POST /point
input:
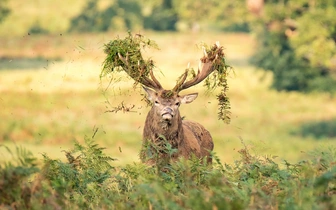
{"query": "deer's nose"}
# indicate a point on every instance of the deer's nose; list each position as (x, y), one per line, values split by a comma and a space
(167, 113)
(167, 110)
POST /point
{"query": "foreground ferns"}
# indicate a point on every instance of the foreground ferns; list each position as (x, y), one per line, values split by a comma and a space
(87, 179)
(14, 189)
(85, 176)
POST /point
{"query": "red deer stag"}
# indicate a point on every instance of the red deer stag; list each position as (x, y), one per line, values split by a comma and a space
(164, 123)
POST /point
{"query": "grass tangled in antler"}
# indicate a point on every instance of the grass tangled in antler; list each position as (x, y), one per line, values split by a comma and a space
(130, 49)
(125, 55)
(219, 79)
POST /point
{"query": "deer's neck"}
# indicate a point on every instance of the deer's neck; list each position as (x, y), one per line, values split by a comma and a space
(172, 130)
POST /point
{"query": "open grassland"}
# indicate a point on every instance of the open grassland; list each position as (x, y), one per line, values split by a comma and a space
(46, 107)
(53, 16)
(51, 96)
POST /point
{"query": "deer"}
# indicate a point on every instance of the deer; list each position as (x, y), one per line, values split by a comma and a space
(164, 123)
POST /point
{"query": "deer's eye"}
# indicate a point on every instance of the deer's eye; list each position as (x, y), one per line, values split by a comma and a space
(177, 103)
(156, 102)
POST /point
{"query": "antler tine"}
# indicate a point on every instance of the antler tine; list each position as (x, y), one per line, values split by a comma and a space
(157, 83)
(207, 68)
(151, 83)
(201, 75)
(142, 79)
(181, 81)
(123, 59)
(204, 52)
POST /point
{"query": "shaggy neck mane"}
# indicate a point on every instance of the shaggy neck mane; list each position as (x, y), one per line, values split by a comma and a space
(172, 131)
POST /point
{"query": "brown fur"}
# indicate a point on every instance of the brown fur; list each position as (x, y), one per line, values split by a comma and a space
(189, 138)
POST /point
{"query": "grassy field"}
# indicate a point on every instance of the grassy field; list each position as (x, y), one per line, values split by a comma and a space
(52, 102)
(26, 14)
(58, 98)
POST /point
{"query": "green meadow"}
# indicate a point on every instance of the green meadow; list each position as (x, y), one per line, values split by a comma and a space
(60, 98)
(70, 140)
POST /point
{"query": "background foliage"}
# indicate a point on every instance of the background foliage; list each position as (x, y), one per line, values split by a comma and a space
(118, 15)
(297, 43)
(4, 10)
(296, 39)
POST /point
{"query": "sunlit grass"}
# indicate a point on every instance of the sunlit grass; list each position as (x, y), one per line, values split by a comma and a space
(51, 15)
(46, 109)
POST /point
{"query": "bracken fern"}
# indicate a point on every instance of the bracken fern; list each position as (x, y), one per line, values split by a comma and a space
(87, 180)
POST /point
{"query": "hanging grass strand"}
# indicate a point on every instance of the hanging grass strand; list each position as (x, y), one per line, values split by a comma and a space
(218, 79)
(125, 55)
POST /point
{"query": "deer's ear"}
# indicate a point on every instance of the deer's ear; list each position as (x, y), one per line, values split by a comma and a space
(150, 93)
(189, 98)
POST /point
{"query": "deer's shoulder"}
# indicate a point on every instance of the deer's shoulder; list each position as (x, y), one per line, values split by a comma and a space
(196, 129)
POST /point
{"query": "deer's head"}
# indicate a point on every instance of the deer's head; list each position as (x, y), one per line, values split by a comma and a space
(166, 103)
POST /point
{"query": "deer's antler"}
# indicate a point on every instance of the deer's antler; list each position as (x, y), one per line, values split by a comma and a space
(141, 76)
(207, 62)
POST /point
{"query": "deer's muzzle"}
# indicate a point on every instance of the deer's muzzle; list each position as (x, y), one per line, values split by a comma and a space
(167, 113)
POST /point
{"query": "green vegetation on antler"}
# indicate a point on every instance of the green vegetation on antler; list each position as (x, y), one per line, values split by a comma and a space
(219, 79)
(125, 55)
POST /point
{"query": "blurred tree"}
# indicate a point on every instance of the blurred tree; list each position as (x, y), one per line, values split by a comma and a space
(88, 20)
(215, 14)
(126, 15)
(4, 10)
(296, 41)
(117, 15)
(36, 28)
(160, 15)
